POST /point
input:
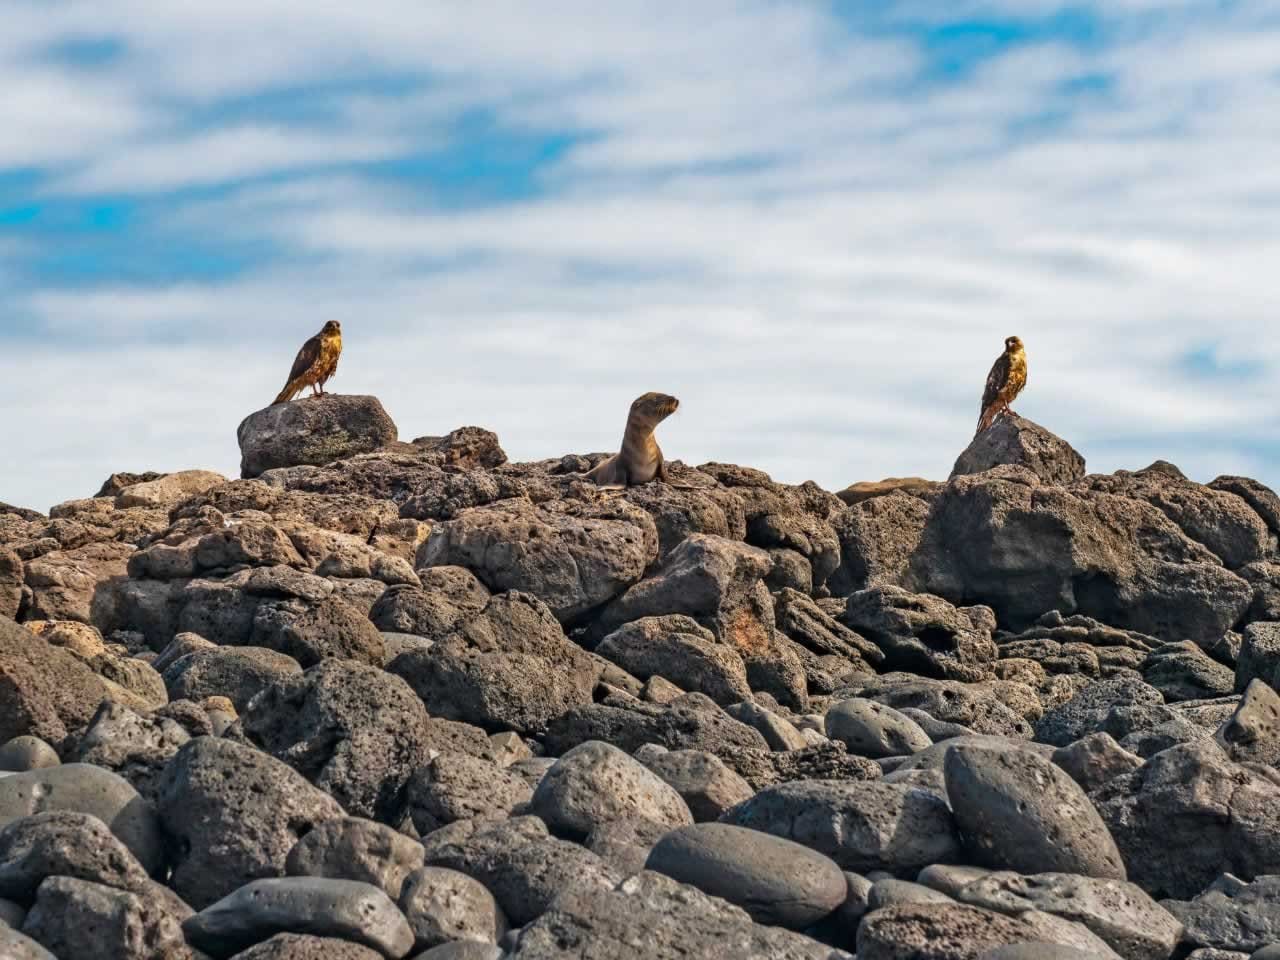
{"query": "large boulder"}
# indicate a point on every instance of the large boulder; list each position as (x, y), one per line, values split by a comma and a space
(45, 691)
(1014, 440)
(1232, 915)
(573, 555)
(1023, 547)
(353, 730)
(312, 431)
(79, 918)
(720, 584)
(679, 649)
(925, 634)
(232, 814)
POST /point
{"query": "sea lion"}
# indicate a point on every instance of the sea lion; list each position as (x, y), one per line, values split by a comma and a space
(640, 459)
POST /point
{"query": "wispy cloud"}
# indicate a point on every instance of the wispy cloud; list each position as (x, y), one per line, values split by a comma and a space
(814, 222)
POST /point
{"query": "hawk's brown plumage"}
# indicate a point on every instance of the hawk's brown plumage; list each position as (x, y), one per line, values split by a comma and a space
(315, 364)
(1005, 381)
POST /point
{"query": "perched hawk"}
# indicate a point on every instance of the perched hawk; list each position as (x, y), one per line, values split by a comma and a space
(1005, 381)
(316, 363)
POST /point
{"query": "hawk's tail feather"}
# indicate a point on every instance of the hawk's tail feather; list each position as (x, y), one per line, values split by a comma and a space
(290, 390)
(988, 417)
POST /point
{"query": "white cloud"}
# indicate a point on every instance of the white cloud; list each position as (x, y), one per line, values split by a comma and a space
(770, 217)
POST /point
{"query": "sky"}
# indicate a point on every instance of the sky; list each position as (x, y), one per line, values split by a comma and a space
(813, 222)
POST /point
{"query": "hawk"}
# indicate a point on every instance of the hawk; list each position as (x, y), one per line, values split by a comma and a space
(1005, 381)
(315, 364)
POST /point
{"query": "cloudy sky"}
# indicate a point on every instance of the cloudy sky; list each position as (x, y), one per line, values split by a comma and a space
(813, 222)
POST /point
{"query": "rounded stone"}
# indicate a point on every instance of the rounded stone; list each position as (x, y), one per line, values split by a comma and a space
(778, 882)
(596, 782)
(27, 753)
(1017, 811)
(356, 849)
(444, 905)
(874, 730)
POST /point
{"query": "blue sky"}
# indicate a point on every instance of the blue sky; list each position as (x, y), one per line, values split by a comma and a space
(813, 222)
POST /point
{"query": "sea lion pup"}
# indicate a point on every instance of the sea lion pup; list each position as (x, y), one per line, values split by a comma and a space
(640, 459)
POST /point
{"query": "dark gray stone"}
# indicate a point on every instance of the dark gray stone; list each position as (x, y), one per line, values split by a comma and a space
(344, 909)
(1018, 811)
(778, 882)
(1252, 734)
(703, 780)
(76, 918)
(313, 431)
(443, 905)
(356, 849)
(874, 730)
(1244, 917)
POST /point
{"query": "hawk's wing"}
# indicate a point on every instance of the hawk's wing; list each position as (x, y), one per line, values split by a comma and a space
(996, 380)
(306, 359)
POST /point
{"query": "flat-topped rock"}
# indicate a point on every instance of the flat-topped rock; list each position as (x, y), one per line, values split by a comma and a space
(312, 431)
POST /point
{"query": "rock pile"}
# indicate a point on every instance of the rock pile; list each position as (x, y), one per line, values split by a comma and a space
(391, 699)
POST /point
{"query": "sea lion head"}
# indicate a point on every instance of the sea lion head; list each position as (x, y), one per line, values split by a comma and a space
(1012, 344)
(653, 408)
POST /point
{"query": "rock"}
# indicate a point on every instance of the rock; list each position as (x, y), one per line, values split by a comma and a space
(1189, 815)
(27, 753)
(776, 881)
(1128, 920)
(16, 946)
(861, 826)
(69, 845)
(824, 761)
(573, 555)
(1245, 918)
(232, 814)
(652, 917)
(596, 782)
(1025, 548)
(44, 692)
(521, 692)
(1013, 440)
(777, 731)
(874, 730)
(720, 584)
(973, 705)
(169, 490)
(445, 905)
(1252, 734)
(76, 918)
(301, 946)
(1259, 655)
(353, 730)
(447, 599)
(135, 746)
(83, 788)
(240, 673)
(1182, 671)
(344, 909)
(877, 538)
(522, 866)
(938, 931)
(456, 787)
(1037, 951)
(677, 648)
(924, 634)
(313, 431)
(76, 584)
(888, 892)
(1018, 811)
(311, 632)
(1094, 760)
(356, 849)
(693, 722)
(462, 950)
(816, 631)
(704, 782)
(1086, 712)
(626, 844)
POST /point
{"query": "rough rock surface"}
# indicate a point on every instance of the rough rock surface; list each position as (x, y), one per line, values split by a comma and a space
(392, 699)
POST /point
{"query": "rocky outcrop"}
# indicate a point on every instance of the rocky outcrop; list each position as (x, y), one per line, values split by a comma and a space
(1015, 441)
(313, 430)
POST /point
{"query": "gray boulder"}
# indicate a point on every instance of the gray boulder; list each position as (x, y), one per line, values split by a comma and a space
(1252, 733)
(456, 787)
(1259, 657)
(677, 648)
(232, 814)
(703, 780)
(861, 826)
(652, 917)
(65, 844)
(924, 634)
(77, 918)
(343, 909)
(1232, 916)
(776, 881)
(312, 431)
(445, 905)
(302, 946)
(84, 788)
(18, 946)
(237, 673)
(872, 729)
(356, 849)
(27, 753)
(1018, 811)
(596, 782)
(1019, 442)
(352, 729)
